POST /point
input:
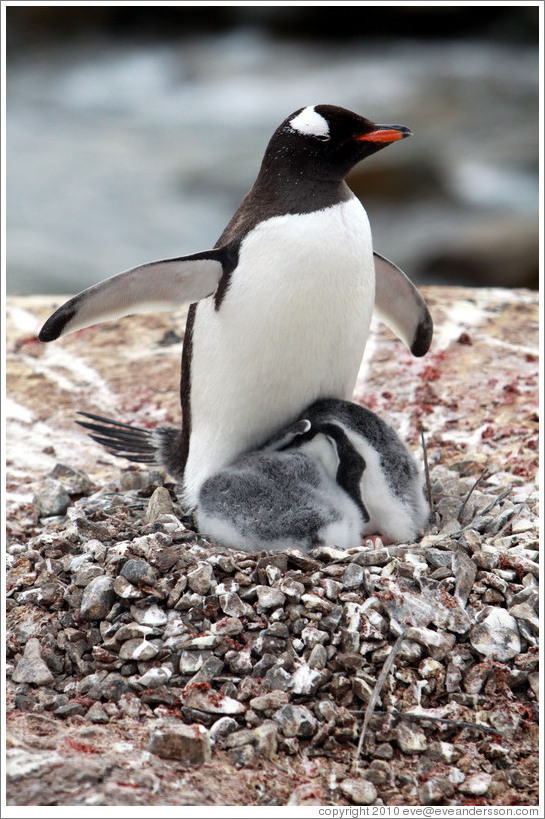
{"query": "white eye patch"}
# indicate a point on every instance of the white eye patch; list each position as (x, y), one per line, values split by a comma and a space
(309, 123)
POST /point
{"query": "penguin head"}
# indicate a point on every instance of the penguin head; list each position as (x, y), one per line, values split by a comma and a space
(324, 142)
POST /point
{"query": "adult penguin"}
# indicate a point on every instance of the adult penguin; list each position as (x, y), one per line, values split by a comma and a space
(280, 307)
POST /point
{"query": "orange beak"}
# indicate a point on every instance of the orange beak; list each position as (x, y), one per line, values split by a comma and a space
(386, 133)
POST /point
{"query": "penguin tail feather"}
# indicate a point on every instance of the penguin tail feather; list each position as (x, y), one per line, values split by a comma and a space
(133, 443)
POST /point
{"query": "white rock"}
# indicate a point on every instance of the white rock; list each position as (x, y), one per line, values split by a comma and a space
(152, 616)
(476, 785)
(497, 636)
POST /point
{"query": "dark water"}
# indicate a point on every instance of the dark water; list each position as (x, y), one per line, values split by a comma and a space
(120, 154)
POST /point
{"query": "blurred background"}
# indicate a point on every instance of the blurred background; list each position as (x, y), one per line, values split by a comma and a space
(134, 132)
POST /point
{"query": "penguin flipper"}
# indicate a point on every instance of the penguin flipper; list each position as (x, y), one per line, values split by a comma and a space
(162, 285)
(287, 436)
(401, 307)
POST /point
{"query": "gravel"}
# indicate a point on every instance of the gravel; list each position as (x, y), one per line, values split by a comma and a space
(117, 608)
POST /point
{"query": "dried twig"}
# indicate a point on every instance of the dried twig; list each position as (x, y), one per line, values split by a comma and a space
(497, 500)
(426, 470)
(376, 692)
(481, 477)
(423, 717)
(488, 508)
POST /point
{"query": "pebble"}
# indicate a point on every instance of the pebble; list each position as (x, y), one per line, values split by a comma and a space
(150, 616)
(353, 576)
(265, 702)
(200, 578)
(411, 740)
(359, 791)
(269, 598)
(138, 571)
(97, 598)
(74, 481)
(476, 785)
(139, 650)
(189, 744)
(213, 702)
(525, 613)
(232, 605)
(497, 636)
(31, 668)
(159, 504)
(318, 657)
(53, 500)
(436, 791)
(296, 721)
(97, 714)
(126, 590)
(222, 728)
(155, 677)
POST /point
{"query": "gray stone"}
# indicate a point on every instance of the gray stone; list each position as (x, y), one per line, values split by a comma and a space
(97, 714)
(96, 549)
(138, 571)
(228, 626)
(221, 729)
(296, 721)
(274, 699)
(477, 784)
(411, 740)
(318, 657)
(31, 668)
(232, 605)
(159, 504)
(242, 756)
(200, 578)
(74, 481)
(353, 576)
(53, 500)
(138, 650)
(278, 679)
(240, 662)
(98, 598)
(437, 643)
(239, 738)
(211, 668)
(86, 573)
(131, 631)
(270, 598)
(189, 744)
(154, 677)
(192, 661)
(525, 613)
(384, 751)
(265, 737)
(497, 636)
(146, 545)
(311, 636)
(359, 791)
(150, 616)
(213, 702)
(465, 571)
(379, 772)
(305, 680)
(126, 590)
(436, 791)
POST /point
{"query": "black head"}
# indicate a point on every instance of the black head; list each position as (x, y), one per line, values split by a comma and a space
(324, 142)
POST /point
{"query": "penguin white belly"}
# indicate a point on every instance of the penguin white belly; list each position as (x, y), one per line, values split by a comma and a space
(291, 328)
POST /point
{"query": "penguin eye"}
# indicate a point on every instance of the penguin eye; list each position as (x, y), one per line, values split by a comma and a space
(322, 137)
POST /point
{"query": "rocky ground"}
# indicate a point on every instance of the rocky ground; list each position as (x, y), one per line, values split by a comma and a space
(149, 667)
